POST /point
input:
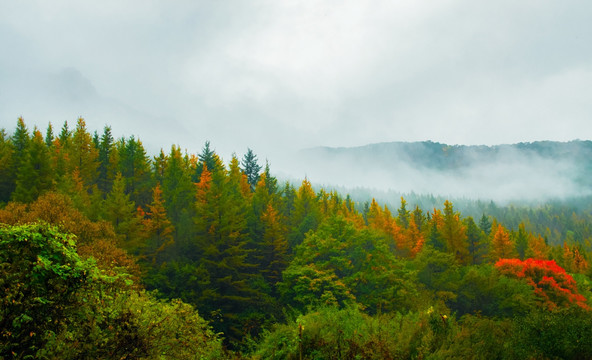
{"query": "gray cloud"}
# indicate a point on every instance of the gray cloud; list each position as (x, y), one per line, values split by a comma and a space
(279, 76)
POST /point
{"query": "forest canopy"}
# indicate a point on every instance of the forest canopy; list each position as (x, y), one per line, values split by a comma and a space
(107, 251)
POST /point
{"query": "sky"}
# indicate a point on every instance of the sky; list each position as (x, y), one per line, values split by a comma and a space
(278, 76)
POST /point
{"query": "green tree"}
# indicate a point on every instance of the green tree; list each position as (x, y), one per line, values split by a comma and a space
(157, 228)
(40, 276)
(454, 234)
(49, 136)
(82, 155)
(222, 244)
(121, 212)
(251, 168)
(7, 176)
(178, 192)
(34, 176)
(306, 215)
(107, 161)
(135, 167)
(521, 241)
(476, 240)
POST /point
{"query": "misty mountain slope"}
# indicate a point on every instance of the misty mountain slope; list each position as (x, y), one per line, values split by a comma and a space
(525, 171)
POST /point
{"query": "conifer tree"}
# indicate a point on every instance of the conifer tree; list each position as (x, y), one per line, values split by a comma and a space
(501, 245)
(485, 225)
(134, 165)
(83, 155)
(49, 136)
(404, 214)
(251, 168)
(34, 175)
(158, 228)
(159, 166)
(207, 158)
(537, 248)
(306, 215)
(521, 241)
(121, 212)
(106, 159)
(454, 234)
(476, 240)
(222, 242)
(7, 177)
(178, 192)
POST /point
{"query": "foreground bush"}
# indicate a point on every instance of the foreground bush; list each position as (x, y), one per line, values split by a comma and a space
(55, 305)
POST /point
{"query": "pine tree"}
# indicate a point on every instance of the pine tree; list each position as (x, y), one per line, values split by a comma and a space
(121, 212)
(106, 158)
(34, 176)
(222, 240)
(158, 229)
(501, 246)
(134, 165)
(251, 168)
(207, 158)
(404, 214)
(454, 234)
(7, 176)
(485, 225)
(537, 248)
(275, 246)
(159, 166)
(49, 136)
(178, 192)
(477, 242)
(306, 215)
(521, 241)
(83, 155)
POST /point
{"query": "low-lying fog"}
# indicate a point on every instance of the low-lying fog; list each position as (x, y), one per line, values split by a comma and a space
(501, 174)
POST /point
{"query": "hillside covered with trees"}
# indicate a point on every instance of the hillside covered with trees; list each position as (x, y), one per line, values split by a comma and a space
(108, 252)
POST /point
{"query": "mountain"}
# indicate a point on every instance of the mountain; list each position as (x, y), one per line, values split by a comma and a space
(539, 170)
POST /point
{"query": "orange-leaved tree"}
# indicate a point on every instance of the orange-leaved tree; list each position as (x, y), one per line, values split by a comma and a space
(551, 283)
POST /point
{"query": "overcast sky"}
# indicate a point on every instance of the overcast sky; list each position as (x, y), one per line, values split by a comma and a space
(283, 75)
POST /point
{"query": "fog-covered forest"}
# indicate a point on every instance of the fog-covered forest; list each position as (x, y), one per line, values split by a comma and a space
(107, 251)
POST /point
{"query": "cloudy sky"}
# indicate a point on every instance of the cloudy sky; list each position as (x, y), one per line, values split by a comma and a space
(283, 75)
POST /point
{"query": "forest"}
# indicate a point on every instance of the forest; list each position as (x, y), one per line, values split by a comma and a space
(108, 252)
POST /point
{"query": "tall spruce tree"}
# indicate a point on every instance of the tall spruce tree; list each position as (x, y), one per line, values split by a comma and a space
(251, 168)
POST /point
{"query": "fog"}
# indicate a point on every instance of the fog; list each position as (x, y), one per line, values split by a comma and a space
(278, 77)
(503, 174)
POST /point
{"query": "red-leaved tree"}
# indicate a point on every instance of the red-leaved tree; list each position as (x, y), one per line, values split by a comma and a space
(550, 281)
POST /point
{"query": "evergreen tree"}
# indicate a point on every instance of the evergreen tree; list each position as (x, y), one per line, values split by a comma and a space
(501, 245)
(454, 234)
(404, 214)
(306, 215)
(121, 212)
(207, 158)
(49, 136)
(476, 240)
(34, 176)
(106, 158)
(251, 168)
(82, 155)
(159, 166)
(158, 229)
(521, 241)
(485, 225)
(178, 192)
(7, 176)
(222, 240)
(134, 165)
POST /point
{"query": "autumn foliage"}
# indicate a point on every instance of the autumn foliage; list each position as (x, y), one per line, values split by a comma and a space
(555, 287)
